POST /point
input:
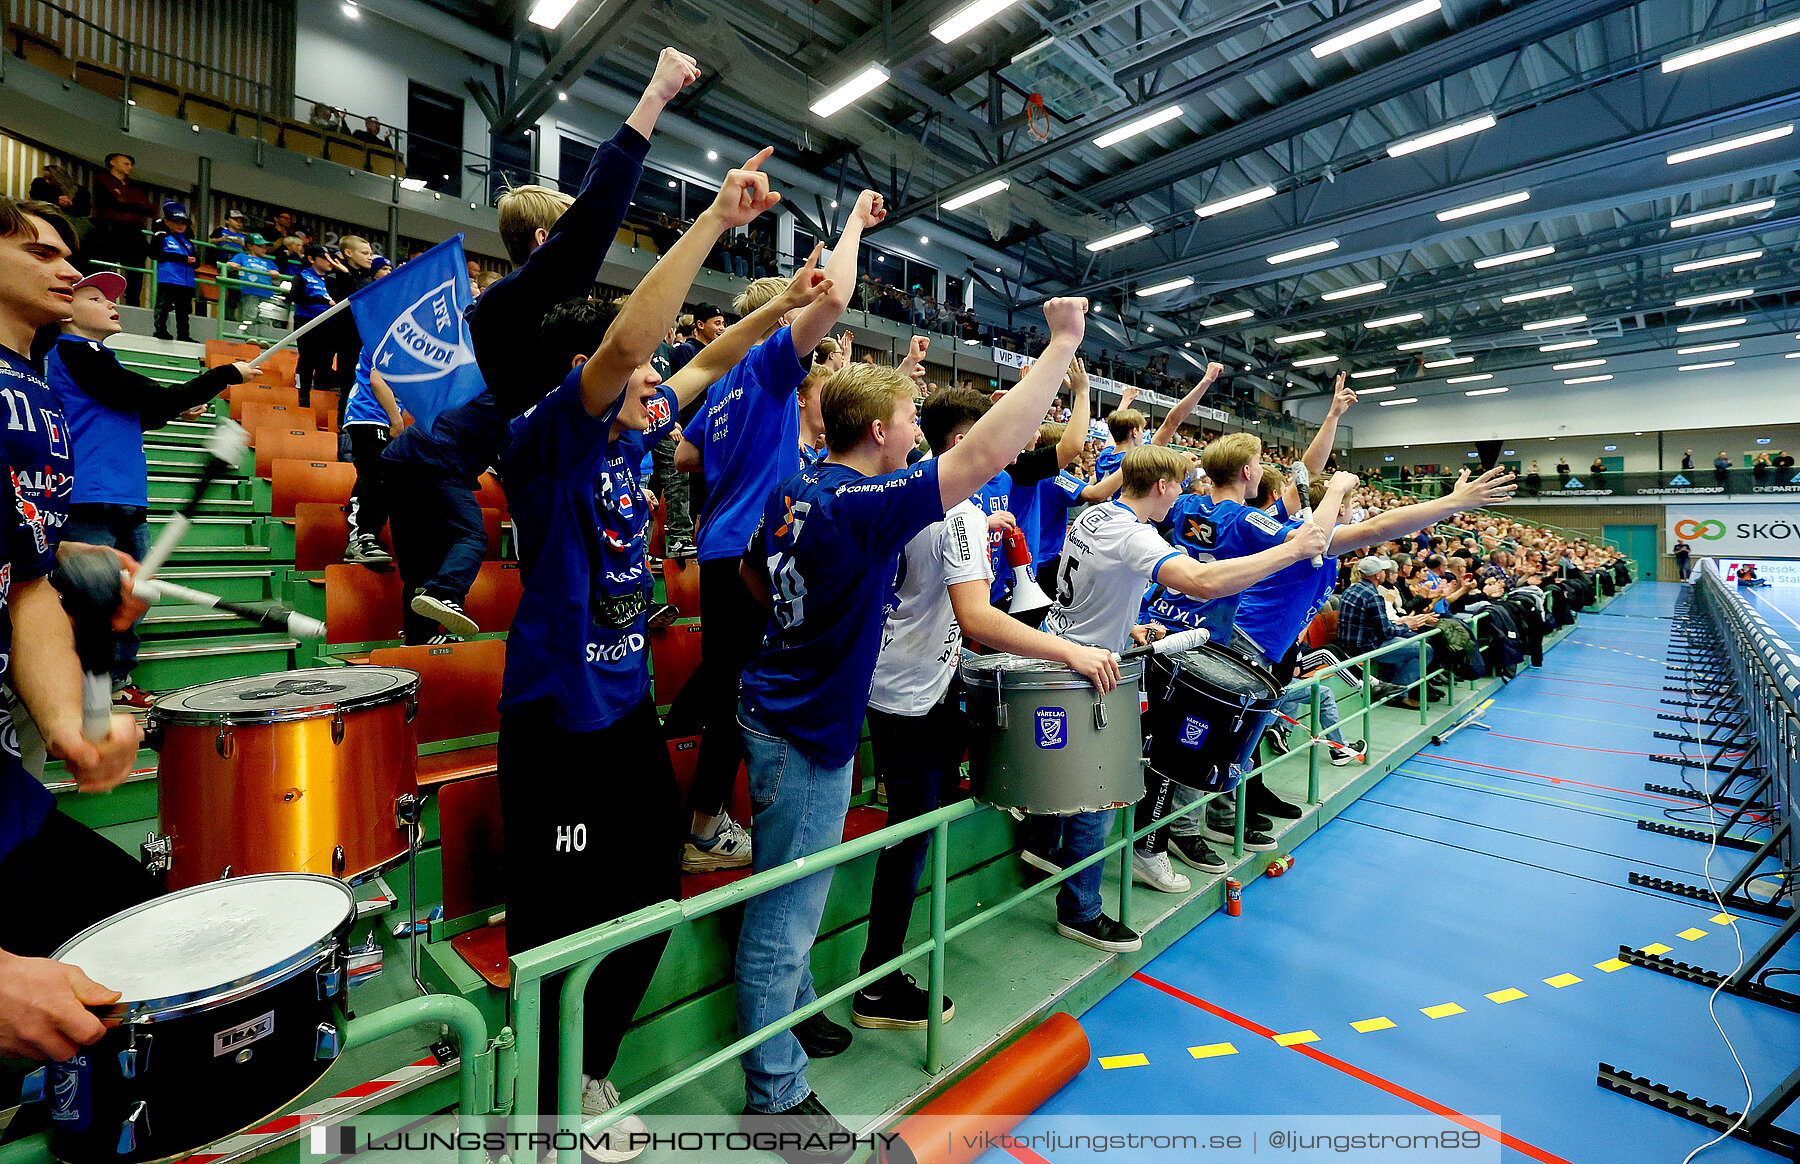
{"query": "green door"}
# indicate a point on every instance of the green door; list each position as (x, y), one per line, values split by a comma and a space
(1641, 545)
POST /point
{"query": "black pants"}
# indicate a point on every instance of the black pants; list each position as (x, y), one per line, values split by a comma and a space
(734, 623)
(919, 758)
(592, 822)
(346, 345)
(439, 541)
(180, 300)
(369, 500)
(313, 368)
(122, 243)
(62, 881)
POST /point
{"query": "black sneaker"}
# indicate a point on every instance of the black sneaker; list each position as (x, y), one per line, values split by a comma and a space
(803, 1134)
(1276, 739)
(1103, 933)
(1255, 840)
(1197, 854)
(895, 1004)
(1261, 801)
(821, 1038)
(1356, 749)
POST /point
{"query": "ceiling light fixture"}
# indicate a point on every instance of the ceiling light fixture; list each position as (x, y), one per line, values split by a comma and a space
(1314, 361)
(1376, 391)
(1543, 293)
(1162, 288)
(1589, 379)
(1296, 337)
(1574, 364)
(871, 78)
(1721, 261)
(1704, 367)
(1402, 400)
(1448, 133)
(1484, 206)
(1384, 23)
(1221, 205)
(1514, 257)
(1348, 292)
(1564, 321)
(1565, 345)
(1305, 252)
(1731, 44)
(1723, 212)
(1452, 362)
(1033, 50)
(977, 194)
(1415, 345)
(1702, 349)
(1391, 320)
(1368, 373)
(1713, 325)
(969, 17)
(1130, 234)
(1716, 297)
(1731, 143)
(1143, 124)
(1486, 391)
(1470, 379)
(1228, 317)
(550, 13)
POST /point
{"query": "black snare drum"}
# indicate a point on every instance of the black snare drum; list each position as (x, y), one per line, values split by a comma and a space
(233, 1003)
(1203, 704)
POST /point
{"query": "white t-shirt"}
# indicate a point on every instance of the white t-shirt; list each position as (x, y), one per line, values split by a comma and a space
(1109, 556)
(921, 643)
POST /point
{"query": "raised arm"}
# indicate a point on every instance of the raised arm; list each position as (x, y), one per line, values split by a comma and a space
(1080, 406)
(735, 342)
(992, 627)
(1008, 427)
(1491, 488)
(640, 326)
(674, 72)
(1319, 451)
(816, 322)
(1228, 576)
(1165, 432)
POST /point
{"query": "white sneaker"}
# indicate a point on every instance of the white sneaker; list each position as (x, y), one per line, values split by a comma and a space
(448, 614)
(1156, 872)
(729, 849)
(597, 1097)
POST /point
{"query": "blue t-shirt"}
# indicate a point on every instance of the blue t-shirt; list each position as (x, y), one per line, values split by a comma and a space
(1056, 496)
(36, 441)
(811, 455)
(27, 556)
(1273, 612)
(1106, 460)
(172, 254)
(230, 242)
(991, 498)
(1440, 606)
(1208, 530)
(362, 407)
(311, 296)
(750, 439)
(114, 470)
(578, 643)
(258, 272)
(832, 539)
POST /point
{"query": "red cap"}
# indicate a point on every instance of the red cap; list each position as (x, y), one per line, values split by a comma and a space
(109, 283)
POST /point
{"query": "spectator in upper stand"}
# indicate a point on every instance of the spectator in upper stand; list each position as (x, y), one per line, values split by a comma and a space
(663, 233)
(59, 188)
(109, 409)
(1562, 469)
(311, 295)
(260, 276)
(1784, 467)
(372, 133)
(1533, 479)
(122, 208)
(175, 262)
(1687, 460)
(1721, 467)
(1598, 468)
(326, 118)
(278, 228)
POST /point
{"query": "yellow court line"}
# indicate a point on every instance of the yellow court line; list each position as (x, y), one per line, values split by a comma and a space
(1364, 1026)
(1654, 950)
(1722, 919)
(1561, 980)
(1441, 1010)
(1109, 1062)
(1527, 795)
(1295, 1038)
(1212, 1050)
(1611, 964)
(1510, 994)
(1692, 935)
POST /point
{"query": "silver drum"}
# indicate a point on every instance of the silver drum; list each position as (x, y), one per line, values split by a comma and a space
(1042, 741)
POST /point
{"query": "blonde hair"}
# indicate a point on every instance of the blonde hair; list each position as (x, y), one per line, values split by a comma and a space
(825, 349)
(1226, 458)
(813, 380)
(524, 210)
(856, 396)
(1050, 433)
(1123, 420)
(356, 241)
(1145, 465)
(1273, 482)
(757, 294)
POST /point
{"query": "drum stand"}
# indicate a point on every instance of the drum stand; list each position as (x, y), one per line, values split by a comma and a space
(408, 810)
(1473, 719)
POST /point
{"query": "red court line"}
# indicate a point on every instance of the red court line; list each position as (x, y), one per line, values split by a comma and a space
(1355, 1072)
(1591, 699)
(1534, 673)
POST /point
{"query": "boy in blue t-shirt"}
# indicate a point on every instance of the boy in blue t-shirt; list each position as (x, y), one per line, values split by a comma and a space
(173, 250)
(228, 244)
(260, 277)
(575, 705)
(829, 547)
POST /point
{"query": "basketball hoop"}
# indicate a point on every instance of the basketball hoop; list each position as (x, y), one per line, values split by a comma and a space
(1037, 118)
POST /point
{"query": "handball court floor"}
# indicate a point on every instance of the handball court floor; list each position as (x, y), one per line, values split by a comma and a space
(1483, 882)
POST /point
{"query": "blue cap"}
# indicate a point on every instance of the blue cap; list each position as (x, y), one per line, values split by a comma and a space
(174, 211)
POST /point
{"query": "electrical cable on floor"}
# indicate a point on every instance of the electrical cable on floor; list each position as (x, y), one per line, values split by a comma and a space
(1737, 936)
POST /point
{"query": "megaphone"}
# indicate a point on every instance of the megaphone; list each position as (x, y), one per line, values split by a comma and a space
(1027, 596)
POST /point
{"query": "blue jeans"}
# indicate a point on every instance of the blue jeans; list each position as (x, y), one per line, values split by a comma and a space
(121, 527)
(1401, 667)
(800, 806)
(1083, 835)
(1298, 703)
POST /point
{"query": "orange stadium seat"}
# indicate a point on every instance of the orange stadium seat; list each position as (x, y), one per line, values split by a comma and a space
(490, 495)
(1322, 630)
(291, 482)
(219, 352)
(321, 534)
(325, 407)
(474, 868)
(242, 394)
(674, 656)
(285, 417)
(681, 580)
(279, 369)
(361, 605)
(291, 444)
(459, 696)
(494, 597)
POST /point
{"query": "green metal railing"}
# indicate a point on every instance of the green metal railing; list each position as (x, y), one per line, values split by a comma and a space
(581, 953)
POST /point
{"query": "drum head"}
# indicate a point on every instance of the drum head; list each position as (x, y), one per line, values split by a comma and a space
(1005, 671)
(1221, 670)
(286, 695)
(210, 938)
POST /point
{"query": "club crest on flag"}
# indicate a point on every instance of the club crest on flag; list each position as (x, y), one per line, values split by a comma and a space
(425, 341)
(420, 340)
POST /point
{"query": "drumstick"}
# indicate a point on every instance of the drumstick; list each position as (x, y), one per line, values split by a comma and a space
(224, 449)
(275, 618)
(89, 584)
(1303, 483)
(1185, 640)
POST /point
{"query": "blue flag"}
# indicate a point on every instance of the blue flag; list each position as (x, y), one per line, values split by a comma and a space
(412, 326)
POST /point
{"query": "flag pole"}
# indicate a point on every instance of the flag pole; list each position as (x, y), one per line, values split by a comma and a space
(294, 335)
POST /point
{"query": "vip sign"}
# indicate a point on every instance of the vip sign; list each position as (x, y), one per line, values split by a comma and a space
(1747, 531)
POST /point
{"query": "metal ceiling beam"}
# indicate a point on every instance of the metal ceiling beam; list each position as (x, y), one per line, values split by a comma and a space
(580, 49)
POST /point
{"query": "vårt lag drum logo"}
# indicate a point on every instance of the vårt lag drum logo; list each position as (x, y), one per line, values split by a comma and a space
(1053, 727)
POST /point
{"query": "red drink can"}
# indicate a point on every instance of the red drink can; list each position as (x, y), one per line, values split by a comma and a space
(1234, 897)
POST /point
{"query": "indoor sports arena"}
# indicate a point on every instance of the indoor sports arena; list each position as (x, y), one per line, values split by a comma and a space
(910, 582)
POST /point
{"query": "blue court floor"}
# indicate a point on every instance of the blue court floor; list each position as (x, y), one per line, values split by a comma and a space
(1449, 942)
(1780, 608)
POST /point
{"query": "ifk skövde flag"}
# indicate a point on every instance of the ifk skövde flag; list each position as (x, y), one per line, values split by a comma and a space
(412, 323)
